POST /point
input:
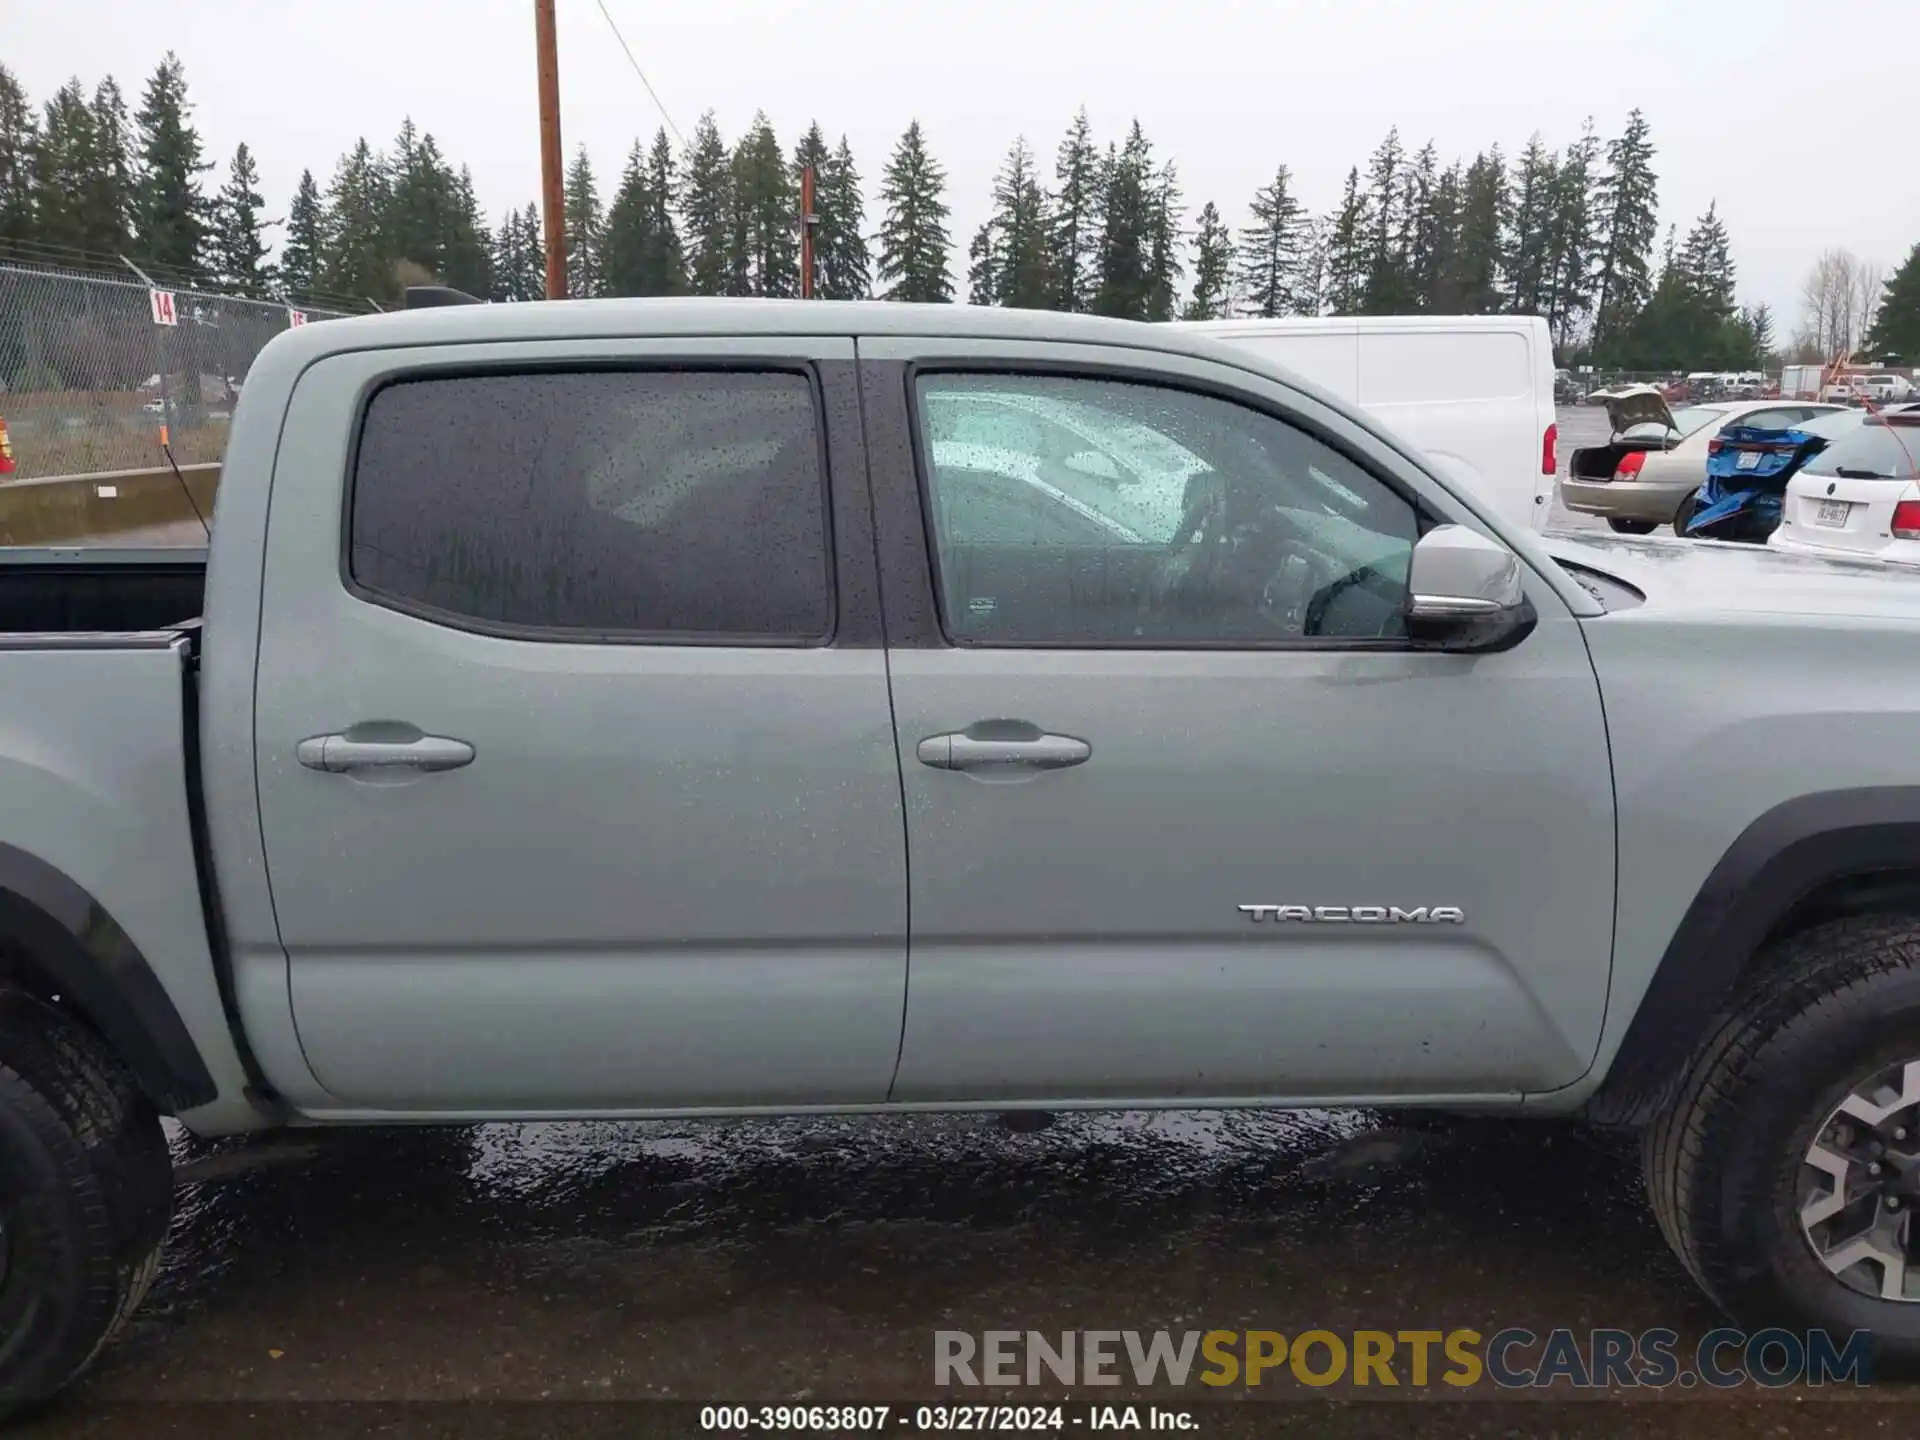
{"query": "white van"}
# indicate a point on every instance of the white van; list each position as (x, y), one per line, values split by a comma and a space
(1474, 392)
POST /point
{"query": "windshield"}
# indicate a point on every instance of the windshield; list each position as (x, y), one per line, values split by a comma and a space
(1871, 452)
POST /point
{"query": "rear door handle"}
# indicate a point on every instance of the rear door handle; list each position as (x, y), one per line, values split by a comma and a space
(340, 755)
(961, 751)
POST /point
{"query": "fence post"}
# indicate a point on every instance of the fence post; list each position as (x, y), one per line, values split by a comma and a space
(159, 356)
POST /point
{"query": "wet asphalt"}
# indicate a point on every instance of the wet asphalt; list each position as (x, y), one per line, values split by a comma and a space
(541, 1279)
(438, 1281)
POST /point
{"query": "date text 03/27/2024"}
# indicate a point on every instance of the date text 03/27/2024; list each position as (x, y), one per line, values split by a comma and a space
(872, 1419)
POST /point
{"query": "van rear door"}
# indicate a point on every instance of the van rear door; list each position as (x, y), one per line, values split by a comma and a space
(1473, 396)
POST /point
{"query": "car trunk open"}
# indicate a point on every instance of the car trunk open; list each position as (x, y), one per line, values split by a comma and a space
(1602, 462)
(1638, 407)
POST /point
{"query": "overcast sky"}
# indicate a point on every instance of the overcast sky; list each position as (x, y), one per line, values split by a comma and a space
(1796, 121)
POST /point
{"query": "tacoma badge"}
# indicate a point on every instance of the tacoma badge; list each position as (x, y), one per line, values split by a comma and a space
(1358, 914)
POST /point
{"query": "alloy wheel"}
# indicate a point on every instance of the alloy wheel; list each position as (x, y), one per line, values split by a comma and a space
(1860, 1184)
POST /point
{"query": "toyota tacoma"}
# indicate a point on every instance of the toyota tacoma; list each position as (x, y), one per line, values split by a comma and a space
(700, 708)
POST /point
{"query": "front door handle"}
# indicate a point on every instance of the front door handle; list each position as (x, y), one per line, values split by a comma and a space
(961, 751)
(341, 754)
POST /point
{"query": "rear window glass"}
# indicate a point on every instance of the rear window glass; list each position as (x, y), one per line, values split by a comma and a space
(633, 504)
(1689, 418)
(1832, 424)
(1888, 451)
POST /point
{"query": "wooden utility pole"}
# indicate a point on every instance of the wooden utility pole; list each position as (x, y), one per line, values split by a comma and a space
(553, 200)
(807, 221)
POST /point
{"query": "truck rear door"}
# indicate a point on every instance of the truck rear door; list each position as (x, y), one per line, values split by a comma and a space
(574, 749)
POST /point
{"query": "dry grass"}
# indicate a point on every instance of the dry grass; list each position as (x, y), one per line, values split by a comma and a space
(82, 452)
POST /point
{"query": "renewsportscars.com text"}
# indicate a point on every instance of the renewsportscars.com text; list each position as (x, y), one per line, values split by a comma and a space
(1508, 1359)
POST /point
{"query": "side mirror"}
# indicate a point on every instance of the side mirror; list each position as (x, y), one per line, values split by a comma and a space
(1094, 465)
(1464, 592)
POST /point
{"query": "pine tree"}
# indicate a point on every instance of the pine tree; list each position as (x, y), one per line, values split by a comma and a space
(1663, 334)
(420, 210)
(533, 231)
(768, 205)
(19, 140)
(170, 213)
(840, 236)
(1213, 257)
(706, 209)
(1571, 248)
(357, 261)
(1078, 205)
(1473, 283)
(1123, 282)
(983, 267)
(1019, 248)
(913, 237)
(642, 248)
(468, 247)
(1627, 201)
(507, 258)
(1165, 269)
(1707, 262)
(519, 259)
(306, 240)
(109, 199)
(1311, 285)
(1527, 252)
(1386, 290)
(1348, 257)
(1269, 253)
(1759, 321)
(666, 263)
(1421, 243)
(1437, 268)
(63, 163)
(1896, 328)
(585, 222)
(238, 251)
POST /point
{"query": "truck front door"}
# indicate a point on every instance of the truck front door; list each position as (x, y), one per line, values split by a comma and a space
(1188, 814)
(573, 741)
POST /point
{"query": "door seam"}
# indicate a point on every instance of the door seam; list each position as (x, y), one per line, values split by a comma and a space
(893, 718)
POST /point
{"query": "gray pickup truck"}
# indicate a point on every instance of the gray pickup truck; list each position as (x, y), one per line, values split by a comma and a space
(706, 708)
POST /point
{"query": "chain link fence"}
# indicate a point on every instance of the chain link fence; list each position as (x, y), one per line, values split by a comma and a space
(92, 368)
(1572, 387)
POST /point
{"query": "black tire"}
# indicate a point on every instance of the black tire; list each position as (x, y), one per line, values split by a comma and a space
(86, 1194)
(1631, 527)
(1838, 1004)
(1684, 514)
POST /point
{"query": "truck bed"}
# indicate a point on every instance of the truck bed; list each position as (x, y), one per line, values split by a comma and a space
(99, 590)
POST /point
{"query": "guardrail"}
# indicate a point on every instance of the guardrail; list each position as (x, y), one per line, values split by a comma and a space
(111, 507)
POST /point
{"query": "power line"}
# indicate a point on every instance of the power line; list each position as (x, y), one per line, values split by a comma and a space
(642, 74)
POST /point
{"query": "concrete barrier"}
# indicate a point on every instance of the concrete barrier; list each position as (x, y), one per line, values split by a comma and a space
(110, 507)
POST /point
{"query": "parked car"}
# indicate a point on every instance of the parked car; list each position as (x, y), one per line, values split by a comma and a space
(1860, 497)
(561, 726)
(1656, 457)
(1474, 392)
